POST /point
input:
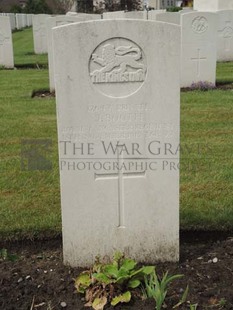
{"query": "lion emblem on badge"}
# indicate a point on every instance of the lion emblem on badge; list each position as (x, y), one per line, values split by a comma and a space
(118, 59)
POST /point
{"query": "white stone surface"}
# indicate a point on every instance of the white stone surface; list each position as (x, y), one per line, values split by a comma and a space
(136, 15)
(59, 21)
(24, 20)
(40, 33)
(186, 10)
(110, 87)
(152, 14)
(225, 35)
(212, 5)
(71, 13)
(19, 21)
(198, 47)
(113, 15)
(12, 20)
(6, 46)
(29, 20)
(168, 17)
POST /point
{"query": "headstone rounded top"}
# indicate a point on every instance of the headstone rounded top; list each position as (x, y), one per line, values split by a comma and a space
(117, 67)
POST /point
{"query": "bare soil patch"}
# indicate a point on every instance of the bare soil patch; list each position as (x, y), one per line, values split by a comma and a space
(39, 280)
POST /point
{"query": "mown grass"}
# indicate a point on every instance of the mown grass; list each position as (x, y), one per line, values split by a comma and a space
(224, 72)
(30, 200)
(24, 50)
(207, 173)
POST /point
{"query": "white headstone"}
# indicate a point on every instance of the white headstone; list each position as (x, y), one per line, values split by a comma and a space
(112, 90)
(58, 21)
(113, 15)
(198, 45)
(6, 46)
(29, 20)
(71, 13)
(40, 33)
(136, 14)
(19, 21)
(186, 10)
(225, 35)
(24, 20)
(152, 14)
(12, 20)
(167, 17)
(212, 5)
(198, 48)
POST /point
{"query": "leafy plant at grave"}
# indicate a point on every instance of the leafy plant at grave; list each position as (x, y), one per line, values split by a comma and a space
(193, 307)
(111, 282)
(5, 255)
(202, 85)
(174, 9)
(157, 289)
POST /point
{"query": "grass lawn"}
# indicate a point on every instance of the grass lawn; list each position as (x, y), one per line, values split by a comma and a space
(24, 50)
(225, 72)
(30, 200)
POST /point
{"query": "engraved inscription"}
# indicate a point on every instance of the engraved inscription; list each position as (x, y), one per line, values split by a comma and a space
(117, 67)
(117, 64)
(200, 24)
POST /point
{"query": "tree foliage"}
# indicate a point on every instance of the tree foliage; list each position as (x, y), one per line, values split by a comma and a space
(85, 6)
(116, 5)
(16, 9)
(37, 7)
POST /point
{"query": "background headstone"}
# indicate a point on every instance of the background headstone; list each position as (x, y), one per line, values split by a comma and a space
(113, 15)
(153, 13)
(212, 5)
(40, 33)
(168, 17)
(198, 45)
(19, 21)
(6, 46)
(24, 20)
(111, 88)
(29, 20)
(59, 21)
(12, 20)
(225, 35)
(198, 48)
(136, 14)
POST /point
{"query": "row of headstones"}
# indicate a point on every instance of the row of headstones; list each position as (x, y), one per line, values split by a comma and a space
(199, 33)
(19, 21)
(8, 23)
(206, 38)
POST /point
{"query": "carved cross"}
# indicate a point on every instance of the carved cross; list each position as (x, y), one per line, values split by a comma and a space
(120, 176)
(198, 60)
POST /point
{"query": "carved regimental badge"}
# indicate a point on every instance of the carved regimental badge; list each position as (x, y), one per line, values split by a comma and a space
(200, 24)
(117, 67)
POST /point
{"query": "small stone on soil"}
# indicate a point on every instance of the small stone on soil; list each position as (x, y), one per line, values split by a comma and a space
(63, 304)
